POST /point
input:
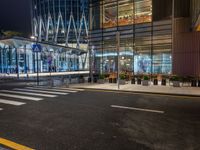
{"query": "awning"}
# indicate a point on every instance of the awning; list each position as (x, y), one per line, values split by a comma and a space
(17, 42)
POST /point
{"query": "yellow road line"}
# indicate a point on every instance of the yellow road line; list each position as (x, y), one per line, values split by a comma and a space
(13, 145)
(140, 93)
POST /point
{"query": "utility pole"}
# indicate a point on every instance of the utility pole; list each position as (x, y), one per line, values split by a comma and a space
(118, 59)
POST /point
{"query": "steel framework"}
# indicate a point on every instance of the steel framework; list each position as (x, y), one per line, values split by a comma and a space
(60, 21)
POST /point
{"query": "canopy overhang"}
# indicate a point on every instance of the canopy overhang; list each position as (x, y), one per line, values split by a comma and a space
(17, 42)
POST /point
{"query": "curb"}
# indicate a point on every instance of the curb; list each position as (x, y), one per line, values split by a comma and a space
(141, 92)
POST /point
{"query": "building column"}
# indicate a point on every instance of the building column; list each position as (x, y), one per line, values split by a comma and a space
(25, 60)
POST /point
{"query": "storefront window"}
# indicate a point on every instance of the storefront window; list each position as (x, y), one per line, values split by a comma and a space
(142, 63)
(126, 12)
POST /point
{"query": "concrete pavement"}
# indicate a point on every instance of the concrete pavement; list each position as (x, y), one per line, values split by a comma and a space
(157, 89)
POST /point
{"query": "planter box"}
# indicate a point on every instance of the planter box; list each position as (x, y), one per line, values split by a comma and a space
(176, 83)
(139, 81)
(145, 82)
(193, 83)
(198, 83)
(133, 81)
(101, 81)
(163, 82)
(122, 82)
(114, 80)
(95, 80)
(155, 82)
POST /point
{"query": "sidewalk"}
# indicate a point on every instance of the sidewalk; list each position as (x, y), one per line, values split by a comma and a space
(156, 89)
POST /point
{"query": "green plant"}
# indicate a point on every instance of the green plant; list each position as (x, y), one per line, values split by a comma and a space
(101, 76)
(138, 76)
(154, 76)
(146, 77)
(122, 76)
(175, 78)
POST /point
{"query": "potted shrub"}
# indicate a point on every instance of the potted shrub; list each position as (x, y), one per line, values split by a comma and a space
(122, 78)
(176, 81)
(145, 81)
(101, 79)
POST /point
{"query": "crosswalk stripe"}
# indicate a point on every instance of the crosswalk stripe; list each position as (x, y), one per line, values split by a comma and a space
(29, 93)
(54, 89)
(4, 101)
(73, 89)
(1, 109)
(41, 91)
(21, 97)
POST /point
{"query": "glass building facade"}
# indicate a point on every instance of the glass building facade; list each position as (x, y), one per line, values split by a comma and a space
(62, 22)
(17, 57)
(61, 27)
(145, 35)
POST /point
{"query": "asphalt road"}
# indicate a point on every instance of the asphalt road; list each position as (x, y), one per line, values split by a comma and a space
(100, 120)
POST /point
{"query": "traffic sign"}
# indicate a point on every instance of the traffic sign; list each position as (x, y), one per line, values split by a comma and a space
(36, 48)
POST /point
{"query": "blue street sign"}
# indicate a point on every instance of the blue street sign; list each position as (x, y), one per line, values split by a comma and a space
(36, 48)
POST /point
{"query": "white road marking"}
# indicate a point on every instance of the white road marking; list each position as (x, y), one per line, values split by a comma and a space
(1, 109)
(21, 97)
(41, 91)
(54, 89)
(28, 93)
(73, 89)
(138, 109)
(4, 101)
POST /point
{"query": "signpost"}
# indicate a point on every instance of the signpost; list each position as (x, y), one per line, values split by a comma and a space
(36, 48)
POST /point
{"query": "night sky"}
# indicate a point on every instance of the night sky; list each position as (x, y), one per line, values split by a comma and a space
(15, 15)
